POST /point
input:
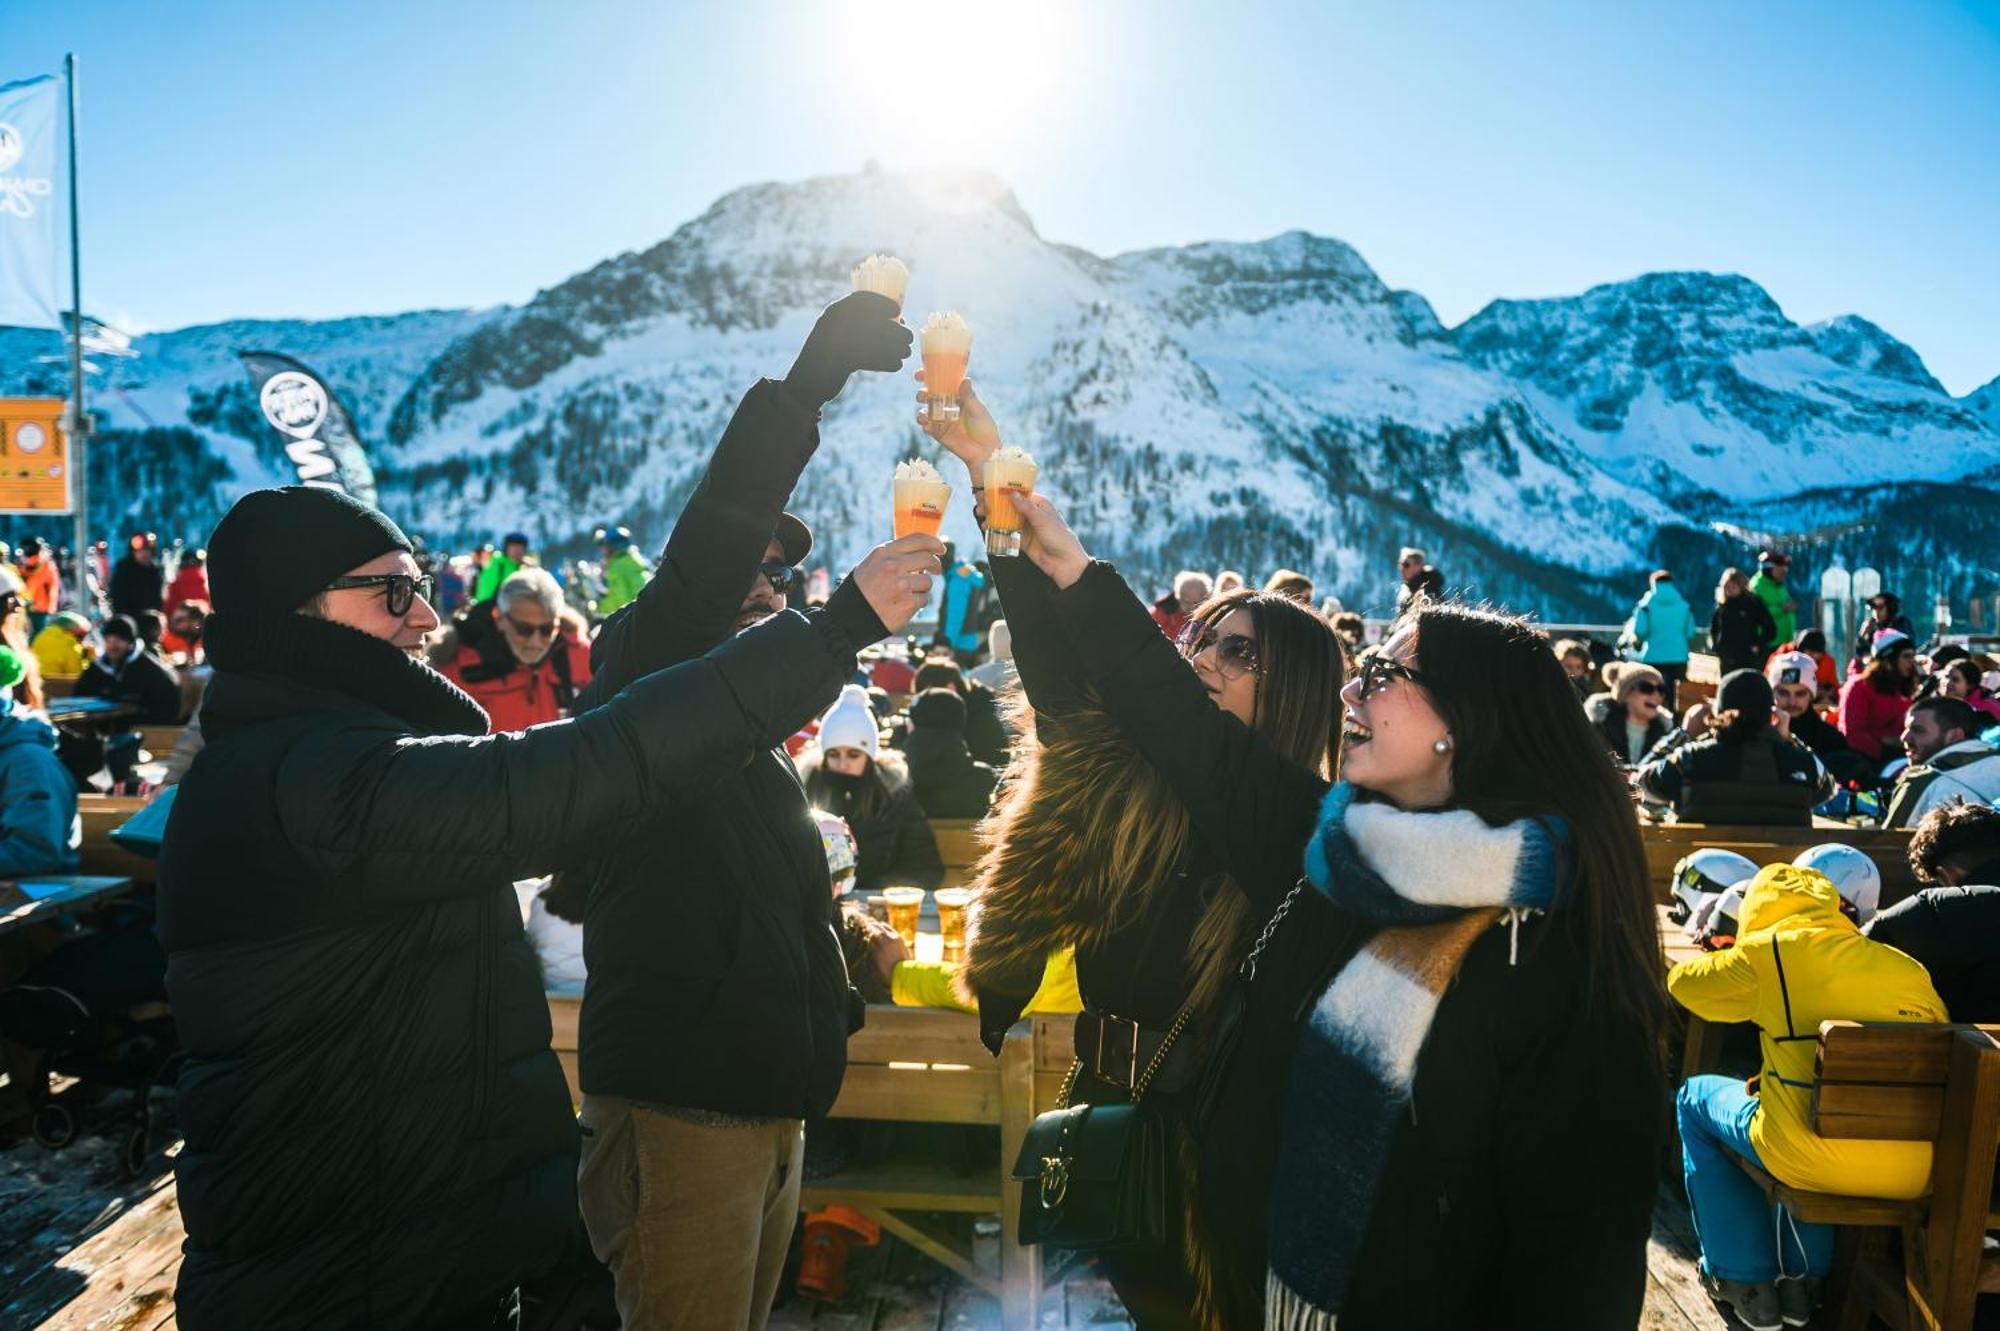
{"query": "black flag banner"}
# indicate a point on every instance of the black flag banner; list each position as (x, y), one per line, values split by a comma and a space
(312, 427)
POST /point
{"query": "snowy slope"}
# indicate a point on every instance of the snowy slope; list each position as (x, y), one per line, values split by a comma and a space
(1244, 404)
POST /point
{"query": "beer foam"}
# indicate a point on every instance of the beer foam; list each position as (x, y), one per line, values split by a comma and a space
(948, 332)
(1012, 453)
(884, 274)
(916, 469)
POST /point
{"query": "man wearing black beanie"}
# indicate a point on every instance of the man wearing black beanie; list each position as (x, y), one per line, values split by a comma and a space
(378, 1135)
(1748, 771)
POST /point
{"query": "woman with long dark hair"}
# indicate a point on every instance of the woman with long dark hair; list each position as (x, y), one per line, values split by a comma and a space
(1154, 818)
(1476, 1106)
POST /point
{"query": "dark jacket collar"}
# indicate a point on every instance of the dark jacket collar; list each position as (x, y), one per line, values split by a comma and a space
(331, 659)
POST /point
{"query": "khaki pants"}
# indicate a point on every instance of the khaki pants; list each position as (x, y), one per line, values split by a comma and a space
(693, 1220)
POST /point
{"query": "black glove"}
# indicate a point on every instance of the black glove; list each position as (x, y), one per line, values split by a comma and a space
(860, 331)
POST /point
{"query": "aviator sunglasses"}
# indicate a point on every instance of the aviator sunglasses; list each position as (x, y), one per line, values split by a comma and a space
(400, 590)
(1235, 653)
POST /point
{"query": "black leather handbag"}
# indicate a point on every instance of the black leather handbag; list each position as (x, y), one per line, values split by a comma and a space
(1094, 1177)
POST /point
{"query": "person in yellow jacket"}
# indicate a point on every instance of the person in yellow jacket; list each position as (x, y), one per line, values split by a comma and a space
(59, 646)
(1798, 960)
(935, 984)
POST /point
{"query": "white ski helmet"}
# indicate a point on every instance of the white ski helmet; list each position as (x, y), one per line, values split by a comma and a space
(1852, 874)
(1705, 875)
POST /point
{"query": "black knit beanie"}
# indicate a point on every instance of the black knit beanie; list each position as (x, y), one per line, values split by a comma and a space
(277, 549)
(1745, 691)
(938, 709)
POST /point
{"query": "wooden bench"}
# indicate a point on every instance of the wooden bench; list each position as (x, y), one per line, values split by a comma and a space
(959, 848)
(926, 1065)
(121, 1275)
(1668, 843)
(1888, 1082)
(160, 740)
(103, 856)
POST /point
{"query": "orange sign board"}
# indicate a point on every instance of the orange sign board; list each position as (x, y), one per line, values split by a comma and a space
(34, 456)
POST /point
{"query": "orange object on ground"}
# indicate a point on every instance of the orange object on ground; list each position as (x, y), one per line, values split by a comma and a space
(830, 1235)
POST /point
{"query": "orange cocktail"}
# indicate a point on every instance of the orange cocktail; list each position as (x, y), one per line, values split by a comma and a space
(920, 497)
(1009, 468)
(947, 346)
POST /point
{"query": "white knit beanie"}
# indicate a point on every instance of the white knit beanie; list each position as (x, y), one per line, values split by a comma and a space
(850, 723)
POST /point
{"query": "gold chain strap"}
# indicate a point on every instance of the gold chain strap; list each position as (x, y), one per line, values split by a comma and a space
(1152, 1066)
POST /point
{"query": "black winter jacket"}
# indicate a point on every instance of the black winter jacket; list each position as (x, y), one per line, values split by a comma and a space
(1609, 718)
(751, 1015)
(894, 844)
(949, 782)
(1762, 782)
(145, 681)
(377, 1132)
(136, 587)
(1955, 933)
(1741, 633)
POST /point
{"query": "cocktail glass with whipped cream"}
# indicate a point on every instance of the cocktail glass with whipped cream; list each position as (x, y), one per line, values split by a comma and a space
(885, 275)
(947, 346)
(1009, 468)
(920, 496)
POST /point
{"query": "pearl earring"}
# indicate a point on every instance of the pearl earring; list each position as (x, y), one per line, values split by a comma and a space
(1442, 746)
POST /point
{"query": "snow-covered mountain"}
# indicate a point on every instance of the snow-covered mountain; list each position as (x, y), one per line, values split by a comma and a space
(1220, 404)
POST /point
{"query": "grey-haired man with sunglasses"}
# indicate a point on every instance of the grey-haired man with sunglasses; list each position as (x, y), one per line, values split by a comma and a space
(717, 1008)
(378, 1135)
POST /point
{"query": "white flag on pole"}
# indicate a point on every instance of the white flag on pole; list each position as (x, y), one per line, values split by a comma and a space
(32, 200)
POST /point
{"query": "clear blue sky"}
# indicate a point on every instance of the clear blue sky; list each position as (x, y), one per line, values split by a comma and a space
(377, 155)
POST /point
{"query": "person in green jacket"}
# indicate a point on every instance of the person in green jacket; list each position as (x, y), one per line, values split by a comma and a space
(513, 554)
(1769, 587)
(625, 573)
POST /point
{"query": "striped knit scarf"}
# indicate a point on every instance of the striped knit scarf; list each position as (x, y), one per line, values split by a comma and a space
(1433, 883)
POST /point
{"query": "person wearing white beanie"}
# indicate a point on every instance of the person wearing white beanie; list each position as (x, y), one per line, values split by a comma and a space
(850, 775)
(850, 723)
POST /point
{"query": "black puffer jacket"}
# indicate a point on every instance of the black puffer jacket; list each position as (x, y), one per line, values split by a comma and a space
(752, 1015)
(377, 1133)
(949, 781)
(894, 844)
(1761, 781)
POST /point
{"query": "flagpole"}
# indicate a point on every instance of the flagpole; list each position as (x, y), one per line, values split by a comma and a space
(79, 420)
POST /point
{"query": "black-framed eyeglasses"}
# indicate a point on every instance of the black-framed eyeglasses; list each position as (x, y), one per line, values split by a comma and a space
(1647, 686)
(782, 576)
(547, 630)
(1378, 671)
(400, 590)
(1235, 653)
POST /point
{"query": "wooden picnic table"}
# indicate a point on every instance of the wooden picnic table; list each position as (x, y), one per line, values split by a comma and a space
(52, 894)
(1701, 1041)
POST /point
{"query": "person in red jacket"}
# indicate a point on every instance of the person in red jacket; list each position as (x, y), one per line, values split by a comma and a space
(523, 655)
(1874, 702)
(190, 583)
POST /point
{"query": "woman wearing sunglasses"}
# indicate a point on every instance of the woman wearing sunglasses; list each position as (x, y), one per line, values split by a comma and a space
(1156, 824)
(1630, 713)
(1476, 1107)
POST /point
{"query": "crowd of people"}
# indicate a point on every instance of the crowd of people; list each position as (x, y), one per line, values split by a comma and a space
(1358, 913)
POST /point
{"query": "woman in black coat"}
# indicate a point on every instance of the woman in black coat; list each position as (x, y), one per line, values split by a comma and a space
(1740, 632)
(1155, 820)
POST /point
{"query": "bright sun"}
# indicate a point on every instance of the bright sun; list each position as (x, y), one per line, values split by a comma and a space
(972, 82)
